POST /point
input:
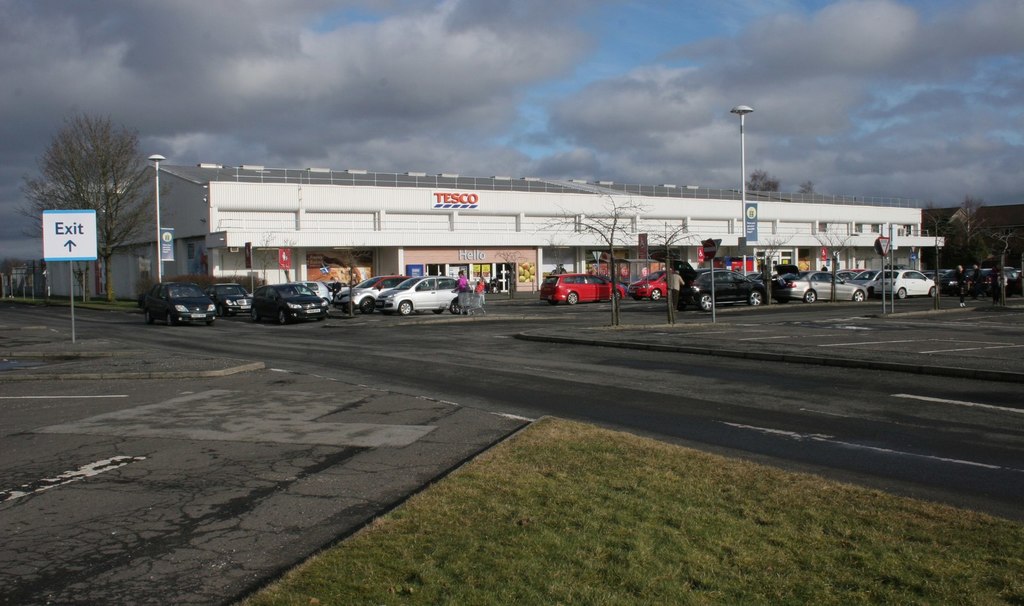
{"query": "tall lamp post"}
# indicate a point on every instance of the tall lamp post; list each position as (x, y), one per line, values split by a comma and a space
(741, 111)
(156, 159)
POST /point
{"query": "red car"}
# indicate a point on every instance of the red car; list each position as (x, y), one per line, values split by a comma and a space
(652, 287)
(577, 288)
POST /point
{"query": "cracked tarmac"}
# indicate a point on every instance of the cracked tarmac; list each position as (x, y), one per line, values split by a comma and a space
(202, 490)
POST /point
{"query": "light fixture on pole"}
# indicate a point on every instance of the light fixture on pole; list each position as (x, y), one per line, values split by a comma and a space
(741, 111)
(156, 159)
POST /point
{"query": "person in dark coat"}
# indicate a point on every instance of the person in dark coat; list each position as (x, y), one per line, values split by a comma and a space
(961, 283)
(976, 282)
(997, 277)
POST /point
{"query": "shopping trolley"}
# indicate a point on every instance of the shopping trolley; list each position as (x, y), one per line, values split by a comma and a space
(471, 303)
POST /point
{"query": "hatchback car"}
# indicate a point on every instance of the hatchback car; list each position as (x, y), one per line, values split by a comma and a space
(433, 293)
(809, 286)
(287, 303)
(366, 292)
(652, 286)
(178, 302)
(230, 299)
(320, 289)
(575, 288)
(730, 287)
(903, 282)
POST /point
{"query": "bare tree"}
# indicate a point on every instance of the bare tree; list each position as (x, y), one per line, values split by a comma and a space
(760, 180)
(611, 225)
(836, 241)
(967, 230)
(515, 259)
(807, 187)
(671, 236)
(93, 165)
(1000, 241)
(770, 247)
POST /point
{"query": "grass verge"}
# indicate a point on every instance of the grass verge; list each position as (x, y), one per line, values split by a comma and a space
(566, 513)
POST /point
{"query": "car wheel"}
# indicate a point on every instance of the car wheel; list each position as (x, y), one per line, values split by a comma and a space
(901, 293)
(655, 294)
(282, 318)
(810, 296)
(754, 298)
(254, 315)
(405, 308)
(221, 311)
(858, 296)
(706, 302)
(454, 308)
(931, 292)
(366, 305)
(572, 298)
(169, 319)
(148, 316)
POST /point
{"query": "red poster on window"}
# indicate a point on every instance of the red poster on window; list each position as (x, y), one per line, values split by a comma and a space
(284, 258)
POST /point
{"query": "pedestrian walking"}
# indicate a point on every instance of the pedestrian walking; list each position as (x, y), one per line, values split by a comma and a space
(675, 285)
(976, 282)
(961, 283)
(996, 283)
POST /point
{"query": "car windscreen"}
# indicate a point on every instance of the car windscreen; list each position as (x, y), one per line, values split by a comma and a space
(367, 283)
(186, 291)
(230, 290)
(406, 284)
(294, 290)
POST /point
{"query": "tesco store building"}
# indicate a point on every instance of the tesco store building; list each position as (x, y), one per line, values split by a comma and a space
(321, 224)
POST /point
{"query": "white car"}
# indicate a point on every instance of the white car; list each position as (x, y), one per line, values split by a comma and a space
(365, 298)
(319, 289)
(904, 282)
(434, 293)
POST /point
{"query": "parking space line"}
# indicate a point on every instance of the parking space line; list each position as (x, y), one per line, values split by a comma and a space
(970, 348)
(60, 397)
(766, 338)
(957, 402)
(870, 343)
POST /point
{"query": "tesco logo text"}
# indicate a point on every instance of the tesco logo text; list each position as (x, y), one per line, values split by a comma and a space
(455, 200)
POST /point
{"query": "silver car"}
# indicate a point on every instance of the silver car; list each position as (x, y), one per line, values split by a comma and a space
(809, 286)
(434, 293)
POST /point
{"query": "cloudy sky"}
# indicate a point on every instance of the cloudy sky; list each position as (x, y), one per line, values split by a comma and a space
(902, 98)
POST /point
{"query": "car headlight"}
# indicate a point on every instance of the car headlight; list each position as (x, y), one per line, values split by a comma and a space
(294, 306)
(229, 301)
(211, 307)
(180, 308)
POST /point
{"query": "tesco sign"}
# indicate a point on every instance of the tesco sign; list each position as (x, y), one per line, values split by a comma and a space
(455, 200)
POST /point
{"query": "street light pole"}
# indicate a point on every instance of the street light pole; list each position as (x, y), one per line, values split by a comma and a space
(156, 159)
(742, 111)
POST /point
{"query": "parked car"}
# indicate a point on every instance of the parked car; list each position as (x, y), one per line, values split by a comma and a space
(848, 274)
(653, 287)
(178, 302)
(809, 286)
(904, 282)
(320, 289)
(946, 279)
(366, 292)
(287, 303)
(230, 299)
(576, 288)
(433, 293)
(730, 286)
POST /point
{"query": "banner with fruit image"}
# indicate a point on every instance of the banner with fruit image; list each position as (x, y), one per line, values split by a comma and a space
(526, 272)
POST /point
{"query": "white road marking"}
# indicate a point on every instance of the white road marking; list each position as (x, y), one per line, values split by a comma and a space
(67, 477)
(970, 348)
(828, 439)
(957, 402)
(60, 397)
(868, 343)
(506, 415)
(767, 338)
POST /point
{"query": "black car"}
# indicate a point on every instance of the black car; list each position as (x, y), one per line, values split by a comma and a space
(730, 286)
(178, 302)
(230, 299)
(287, 303)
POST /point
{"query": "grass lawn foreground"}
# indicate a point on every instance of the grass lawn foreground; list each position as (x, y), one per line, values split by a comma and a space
(567, 513)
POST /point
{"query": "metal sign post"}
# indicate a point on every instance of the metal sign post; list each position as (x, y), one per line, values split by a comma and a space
(882, 244)
(710, 249)
(69, 235)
